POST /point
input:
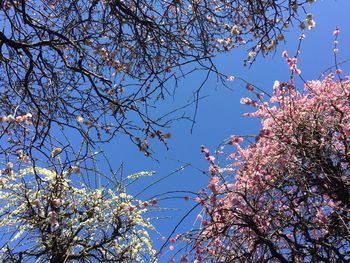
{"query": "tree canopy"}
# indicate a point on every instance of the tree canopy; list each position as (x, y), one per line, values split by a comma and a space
(99, 68)
(101, 65)
(286, 197)
(50, 217)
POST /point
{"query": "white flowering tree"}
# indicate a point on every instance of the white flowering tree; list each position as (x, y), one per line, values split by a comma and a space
(47, 217)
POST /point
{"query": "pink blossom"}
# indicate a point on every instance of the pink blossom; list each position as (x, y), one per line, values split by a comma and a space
(270, 184)
(338, 71)
(235, 139)
(292, 63)
(336, 32)
(211, 158)
(346, 131)
(213, 184)
(249, 87)
(19, 119)
(230, 78)
(285, 54)
(56, 202)
(247, 101)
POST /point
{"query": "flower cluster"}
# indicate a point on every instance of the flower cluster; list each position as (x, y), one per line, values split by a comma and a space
(65, 223)
(292, 63)
(287, 197)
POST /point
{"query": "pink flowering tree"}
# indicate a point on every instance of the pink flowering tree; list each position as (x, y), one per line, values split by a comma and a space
(286, 196)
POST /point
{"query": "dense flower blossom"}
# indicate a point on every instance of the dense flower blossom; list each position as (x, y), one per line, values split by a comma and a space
(64, 223)
(287, 198)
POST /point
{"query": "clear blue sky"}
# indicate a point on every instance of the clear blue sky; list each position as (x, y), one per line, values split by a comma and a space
(220, 113)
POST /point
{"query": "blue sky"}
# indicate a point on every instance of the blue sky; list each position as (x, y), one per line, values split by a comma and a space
(220, 113)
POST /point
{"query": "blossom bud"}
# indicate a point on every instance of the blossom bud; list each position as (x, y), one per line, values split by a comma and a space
(55, 152)
(76, 169)
(235, 30)
(56, 202)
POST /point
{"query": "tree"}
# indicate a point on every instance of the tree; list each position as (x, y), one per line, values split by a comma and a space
(285, 197)
(49, 217)
(100, 65)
